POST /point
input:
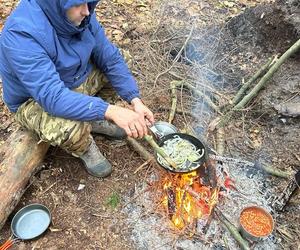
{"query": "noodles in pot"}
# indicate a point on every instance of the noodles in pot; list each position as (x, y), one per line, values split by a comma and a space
(182, 152)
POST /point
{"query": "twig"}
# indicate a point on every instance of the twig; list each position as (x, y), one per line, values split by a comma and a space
(177, 56)
(233, 230)
(143, 165)
(174, 101)
(178, 111)
(47, 189)
(200, 94)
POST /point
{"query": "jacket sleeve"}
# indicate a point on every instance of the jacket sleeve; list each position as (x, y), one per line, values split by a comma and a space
(36, 71)
(109, 60)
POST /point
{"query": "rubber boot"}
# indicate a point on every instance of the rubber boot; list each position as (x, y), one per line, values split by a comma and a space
(95, 162)
(108, 129)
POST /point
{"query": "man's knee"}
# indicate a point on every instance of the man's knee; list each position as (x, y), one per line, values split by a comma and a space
(72, 136)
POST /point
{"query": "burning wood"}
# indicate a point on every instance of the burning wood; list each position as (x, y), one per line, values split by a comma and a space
(171, 202)
(187, 199)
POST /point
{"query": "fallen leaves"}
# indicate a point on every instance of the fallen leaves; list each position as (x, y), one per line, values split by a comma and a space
(124, 17)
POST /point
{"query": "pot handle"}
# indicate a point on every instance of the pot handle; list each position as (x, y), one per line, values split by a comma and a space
(158, 135)
(7, 244)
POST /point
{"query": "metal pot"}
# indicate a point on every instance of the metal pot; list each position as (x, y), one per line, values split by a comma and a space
(164, 131)
(196, 142)
(247, 234)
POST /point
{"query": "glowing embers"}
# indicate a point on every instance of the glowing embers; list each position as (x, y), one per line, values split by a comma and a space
(186, 199)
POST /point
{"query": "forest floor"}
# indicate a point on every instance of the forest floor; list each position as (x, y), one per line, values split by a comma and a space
(154, 32)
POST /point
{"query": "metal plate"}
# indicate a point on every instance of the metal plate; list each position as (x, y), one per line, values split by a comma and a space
(31, 221)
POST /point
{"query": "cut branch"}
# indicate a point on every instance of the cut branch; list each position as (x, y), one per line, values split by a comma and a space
(159, 150)
(233, 230)
(142, 151)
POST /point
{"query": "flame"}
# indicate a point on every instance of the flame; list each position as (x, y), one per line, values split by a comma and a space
(186, 199)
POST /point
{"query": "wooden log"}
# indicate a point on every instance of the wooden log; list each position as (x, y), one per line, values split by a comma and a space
(21, 155)
(171, 202)
(282, 199)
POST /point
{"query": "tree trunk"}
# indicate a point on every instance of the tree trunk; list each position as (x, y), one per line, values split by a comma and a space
(20, 157)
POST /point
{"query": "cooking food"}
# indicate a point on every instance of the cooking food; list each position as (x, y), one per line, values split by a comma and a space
(256, 221)
(182, 152)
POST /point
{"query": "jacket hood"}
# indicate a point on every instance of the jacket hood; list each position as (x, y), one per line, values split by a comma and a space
(56, 10)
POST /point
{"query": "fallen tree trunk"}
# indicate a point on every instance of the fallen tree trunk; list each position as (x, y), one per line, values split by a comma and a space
(21, 155)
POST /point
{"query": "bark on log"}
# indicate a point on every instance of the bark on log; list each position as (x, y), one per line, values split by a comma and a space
(282, 199)
(20, 157)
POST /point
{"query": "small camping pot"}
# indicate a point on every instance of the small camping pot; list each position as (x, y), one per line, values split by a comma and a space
(248, 226)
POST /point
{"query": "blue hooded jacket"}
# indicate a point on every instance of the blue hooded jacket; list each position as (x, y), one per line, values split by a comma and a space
(44, 56)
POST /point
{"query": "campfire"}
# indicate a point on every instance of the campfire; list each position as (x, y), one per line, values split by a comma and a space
(189, 197)
(198, 208)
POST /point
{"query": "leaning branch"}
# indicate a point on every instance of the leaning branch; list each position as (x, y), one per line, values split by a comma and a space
(262, 83)
(258, 74)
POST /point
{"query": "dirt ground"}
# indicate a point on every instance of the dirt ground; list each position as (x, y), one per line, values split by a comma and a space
(93, 217)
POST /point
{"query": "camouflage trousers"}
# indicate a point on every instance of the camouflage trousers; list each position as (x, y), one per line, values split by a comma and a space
(72, 136)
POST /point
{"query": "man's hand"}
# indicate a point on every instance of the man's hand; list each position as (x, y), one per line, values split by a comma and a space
(132, 122)
(140, 108)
